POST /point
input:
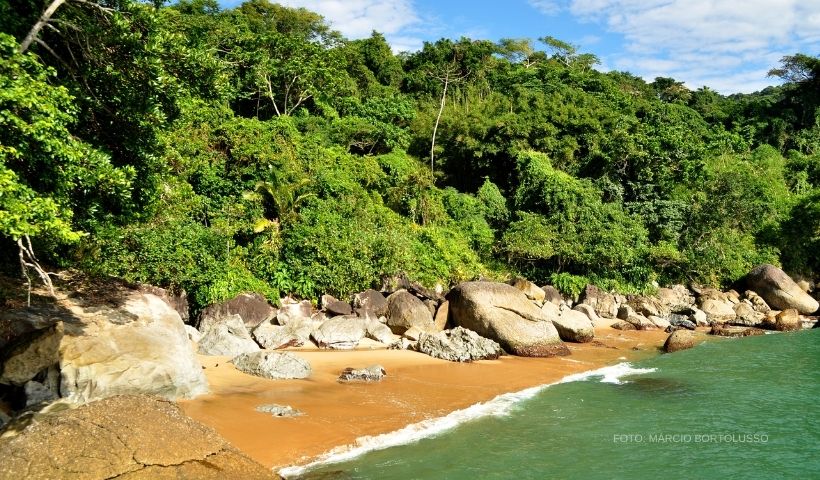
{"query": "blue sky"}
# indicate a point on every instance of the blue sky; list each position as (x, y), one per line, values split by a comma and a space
(727, 45)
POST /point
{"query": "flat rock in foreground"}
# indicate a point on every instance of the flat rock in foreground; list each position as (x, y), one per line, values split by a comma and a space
(503, 313)
(124, 437)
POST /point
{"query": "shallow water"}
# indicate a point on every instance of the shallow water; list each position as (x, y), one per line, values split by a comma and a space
(733, 408)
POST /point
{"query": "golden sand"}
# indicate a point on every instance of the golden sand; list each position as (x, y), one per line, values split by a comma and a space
(417, 387)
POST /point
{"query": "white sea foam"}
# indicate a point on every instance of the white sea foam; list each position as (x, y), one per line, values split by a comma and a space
(498, 406)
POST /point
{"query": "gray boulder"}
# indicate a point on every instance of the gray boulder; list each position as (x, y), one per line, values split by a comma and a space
(552, 295)
(746, 315)
(251, 307)
(648, 306)
(373, 373)
(623, 325)
(335, 307)
(779, 290)
(605, 304)
(639, 321)
(293, 311)
(459, 345)
(279, 410)
(405, 310)
(574, 326)
(294, 334)
(676, 298)
(503, 313)
(340, 333)
(718, 311)
(370, 303)
(379, 332)
(229, 338)
(37, 393)
(30, 354)
(681, 321)
(273, 365)
(660, 322)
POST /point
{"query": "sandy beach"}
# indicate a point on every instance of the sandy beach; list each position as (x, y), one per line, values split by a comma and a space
(417, 387)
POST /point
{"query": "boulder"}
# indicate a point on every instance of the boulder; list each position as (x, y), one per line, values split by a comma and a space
(150, 354)
(759, 305)
(718, 311)
(178, 301)
(294, 334)
(648, 306)
(340, 333)
(733, 297)
(625, 311)
(676, 298)
(639, 321)
(405, 310)
(335, 307)
(379, 332)
(574, 326)
(681, 321)
(442, 316)
(779, 290)
(552, 295)
(413, 334)
(37, 393)
(746, 315)
(293, 311)
(276, 410)
(623, 325)
(503, 313)
(124, 437)
(788, 321)
(230, 337)
(531, 290)
(459, 345)
(698, 317)
(193, 334)
(29, 354)
(659, 322)
(734, 331)
(679, 340)
(373, 373)
(591, 315)
(273, 365)
(253, 308)
(370, 303)
(604, 303)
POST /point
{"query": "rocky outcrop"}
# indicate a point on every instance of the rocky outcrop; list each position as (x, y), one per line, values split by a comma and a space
(779, 290)
(335, 307)
(405, 310)
(676, 298)
(605, 304)
(679, 340)
(373, 373)
(757, 302)
(251, 307)
(459, 345)
(273, 365)
(229, 337)
(503, 313)
(648, 306)
(293, 311)
(574, 326)
(30, 354)
(340, 333)
(717, 310)
(124, 437)
(746, 315)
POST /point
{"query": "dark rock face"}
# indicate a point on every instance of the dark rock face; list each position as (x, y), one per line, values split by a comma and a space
(405, 310)
(370, 303)
(459, 345)
(335, 307)
(779, 290)
(681, 321)
(503, 313)
(373, 373)
(119, 437)
(679, 340)
(252, 307)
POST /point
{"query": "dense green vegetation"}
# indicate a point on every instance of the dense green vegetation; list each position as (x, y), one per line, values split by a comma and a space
(256, 149)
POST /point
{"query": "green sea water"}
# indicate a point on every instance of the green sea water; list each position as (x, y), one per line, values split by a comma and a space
(728, 409)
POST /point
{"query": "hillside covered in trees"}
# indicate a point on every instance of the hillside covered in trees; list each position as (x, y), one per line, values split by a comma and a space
(255, 148)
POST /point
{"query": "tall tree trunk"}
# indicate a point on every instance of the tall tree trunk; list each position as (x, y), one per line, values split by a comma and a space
(438, 118)
(42, 22)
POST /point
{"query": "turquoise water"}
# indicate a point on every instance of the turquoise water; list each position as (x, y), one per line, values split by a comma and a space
(734, 408)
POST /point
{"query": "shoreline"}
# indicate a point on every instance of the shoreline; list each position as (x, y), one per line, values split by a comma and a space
(417, 388)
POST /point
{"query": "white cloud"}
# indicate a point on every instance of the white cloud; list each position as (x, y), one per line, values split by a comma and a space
(547, 7)
(728, 45)
(397, 20)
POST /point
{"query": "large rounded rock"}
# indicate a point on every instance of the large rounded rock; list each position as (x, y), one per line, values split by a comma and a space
(341, 333)
(679, 340)
(676, 298)
(294, 334)
(124, 437)
(370, 303)
(503, 313)
(459, 345)
(574, 326)
(649, 307)
(253, 308)
(746, 315)
(779, 290)
(230, 338)
(273, 365)
(605, 304)
(787, 321)
(718, 311)
(405, 310)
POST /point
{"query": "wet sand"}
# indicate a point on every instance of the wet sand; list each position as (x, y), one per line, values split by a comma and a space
(417, 387)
